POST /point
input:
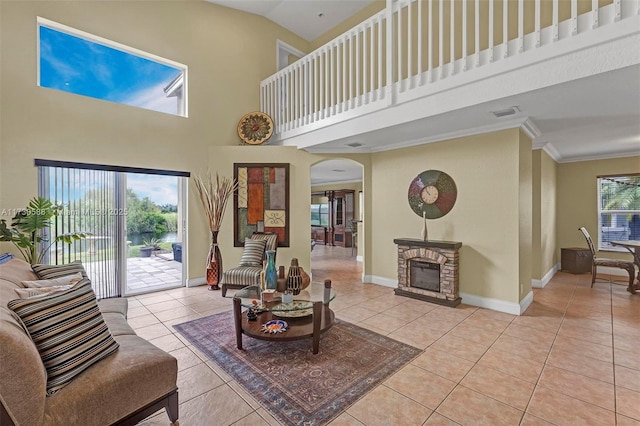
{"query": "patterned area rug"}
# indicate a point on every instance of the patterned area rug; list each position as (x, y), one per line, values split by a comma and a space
(295, 386)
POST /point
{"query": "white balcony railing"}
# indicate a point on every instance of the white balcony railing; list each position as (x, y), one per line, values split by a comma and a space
(399, 52)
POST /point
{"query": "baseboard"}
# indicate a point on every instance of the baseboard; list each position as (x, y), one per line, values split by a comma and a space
(386, 282)
(469, 299)
(194, 282)
(526, 302)
(493, 304)
(547, 277)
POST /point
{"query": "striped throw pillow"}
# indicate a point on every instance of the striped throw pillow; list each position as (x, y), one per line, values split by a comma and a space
(270, 237)
(253, 252)
(68, 330)
(48, 272)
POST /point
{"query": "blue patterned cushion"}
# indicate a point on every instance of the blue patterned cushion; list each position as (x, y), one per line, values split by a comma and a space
(253, 252)
(68, 330)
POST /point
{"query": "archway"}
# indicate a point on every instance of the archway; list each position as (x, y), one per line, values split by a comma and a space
(337, 214)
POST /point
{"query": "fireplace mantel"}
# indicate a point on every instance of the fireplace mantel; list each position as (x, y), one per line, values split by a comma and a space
(444, 253)
(412, 242)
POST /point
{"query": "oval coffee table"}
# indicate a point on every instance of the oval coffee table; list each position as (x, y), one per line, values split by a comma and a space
(307, 316)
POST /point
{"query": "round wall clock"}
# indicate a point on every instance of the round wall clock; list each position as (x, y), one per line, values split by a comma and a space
(255, 128)
(433, 193)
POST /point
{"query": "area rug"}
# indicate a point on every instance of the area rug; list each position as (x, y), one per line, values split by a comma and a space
(288, 380)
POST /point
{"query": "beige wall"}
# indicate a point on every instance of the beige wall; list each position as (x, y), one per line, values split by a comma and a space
(485, 217)
(544, 256)
(222, 160)
(224, 75)
(578, 199)
(525, 221)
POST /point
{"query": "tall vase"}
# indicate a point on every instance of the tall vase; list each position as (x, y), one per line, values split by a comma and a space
(424, 227)
(270, 272)
(214, 263)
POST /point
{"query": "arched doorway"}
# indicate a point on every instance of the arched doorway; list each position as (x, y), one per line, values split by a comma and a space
(337, 214)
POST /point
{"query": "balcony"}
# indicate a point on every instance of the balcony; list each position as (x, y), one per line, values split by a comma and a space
(417, 60)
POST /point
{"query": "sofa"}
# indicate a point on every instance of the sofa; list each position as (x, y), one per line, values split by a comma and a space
(134, 381)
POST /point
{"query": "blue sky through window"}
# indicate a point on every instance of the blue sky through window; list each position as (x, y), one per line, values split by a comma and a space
(84, 67)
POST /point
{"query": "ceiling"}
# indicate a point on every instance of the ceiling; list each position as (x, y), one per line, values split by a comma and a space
(307, 18)
(589, 118)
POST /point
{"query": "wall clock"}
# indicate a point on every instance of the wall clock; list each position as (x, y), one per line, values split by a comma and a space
(433, 193)
(255, 128)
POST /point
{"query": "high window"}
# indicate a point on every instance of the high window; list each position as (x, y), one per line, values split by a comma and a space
(618, 209)
(77, 62)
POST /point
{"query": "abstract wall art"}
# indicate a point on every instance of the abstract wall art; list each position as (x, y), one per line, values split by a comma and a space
(261, 202)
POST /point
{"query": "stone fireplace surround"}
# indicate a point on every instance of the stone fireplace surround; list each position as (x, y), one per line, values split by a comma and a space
(446, 254)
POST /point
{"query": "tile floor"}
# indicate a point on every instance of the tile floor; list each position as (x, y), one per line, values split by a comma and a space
(572, 359)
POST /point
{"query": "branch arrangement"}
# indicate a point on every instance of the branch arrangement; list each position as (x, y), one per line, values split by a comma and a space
(214, 195)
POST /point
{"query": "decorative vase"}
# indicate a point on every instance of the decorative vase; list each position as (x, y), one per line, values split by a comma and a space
(294, 278)
(424, 226)
(306, 279)
(214, 263)
(270, 271)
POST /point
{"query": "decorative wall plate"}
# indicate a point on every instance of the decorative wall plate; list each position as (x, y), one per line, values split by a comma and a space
(432, 192)
(255, 128)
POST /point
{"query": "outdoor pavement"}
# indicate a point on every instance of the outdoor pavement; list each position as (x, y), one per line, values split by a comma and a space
(159, 271)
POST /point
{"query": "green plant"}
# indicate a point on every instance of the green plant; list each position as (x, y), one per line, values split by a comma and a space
(27, 227)
(154, 243)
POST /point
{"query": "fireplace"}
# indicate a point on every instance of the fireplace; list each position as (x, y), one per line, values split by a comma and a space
(429, 270)
(425, 275)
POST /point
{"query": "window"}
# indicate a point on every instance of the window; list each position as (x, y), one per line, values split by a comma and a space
(618, 209)
(77, 62)
(319, 214)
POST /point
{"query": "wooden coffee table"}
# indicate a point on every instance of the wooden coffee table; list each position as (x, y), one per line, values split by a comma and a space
(308, 317)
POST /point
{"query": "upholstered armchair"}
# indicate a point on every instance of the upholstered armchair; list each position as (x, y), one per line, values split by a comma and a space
(248, 272)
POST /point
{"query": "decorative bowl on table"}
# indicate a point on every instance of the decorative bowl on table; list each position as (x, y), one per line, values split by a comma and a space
(295, 309)
(274, 326)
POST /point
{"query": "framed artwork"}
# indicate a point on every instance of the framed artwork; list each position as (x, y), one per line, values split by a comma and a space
(261, 202)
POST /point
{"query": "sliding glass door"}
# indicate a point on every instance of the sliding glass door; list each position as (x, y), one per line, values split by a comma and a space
(154, 232)
(136, 220)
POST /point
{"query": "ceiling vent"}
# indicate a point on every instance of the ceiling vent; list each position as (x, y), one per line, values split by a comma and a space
(354, 144)
(505, 112)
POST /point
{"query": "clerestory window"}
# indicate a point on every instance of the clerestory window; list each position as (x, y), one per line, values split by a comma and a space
(618, 210)
(73, 61)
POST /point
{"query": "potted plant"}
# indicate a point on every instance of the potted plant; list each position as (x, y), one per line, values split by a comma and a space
(27, 229)
(149, 246)
(214, 196)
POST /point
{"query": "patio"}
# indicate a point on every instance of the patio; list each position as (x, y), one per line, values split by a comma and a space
(158, 271)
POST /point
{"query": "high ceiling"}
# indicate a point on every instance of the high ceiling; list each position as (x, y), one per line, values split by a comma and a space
(307, 18)
(590, 118)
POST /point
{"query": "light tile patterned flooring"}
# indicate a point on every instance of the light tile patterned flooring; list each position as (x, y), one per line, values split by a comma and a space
(572, 359)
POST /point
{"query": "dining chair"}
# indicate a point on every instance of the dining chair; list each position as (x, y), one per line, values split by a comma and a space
(601, 261)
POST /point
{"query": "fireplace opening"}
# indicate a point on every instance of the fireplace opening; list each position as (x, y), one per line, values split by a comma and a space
(424, 275)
